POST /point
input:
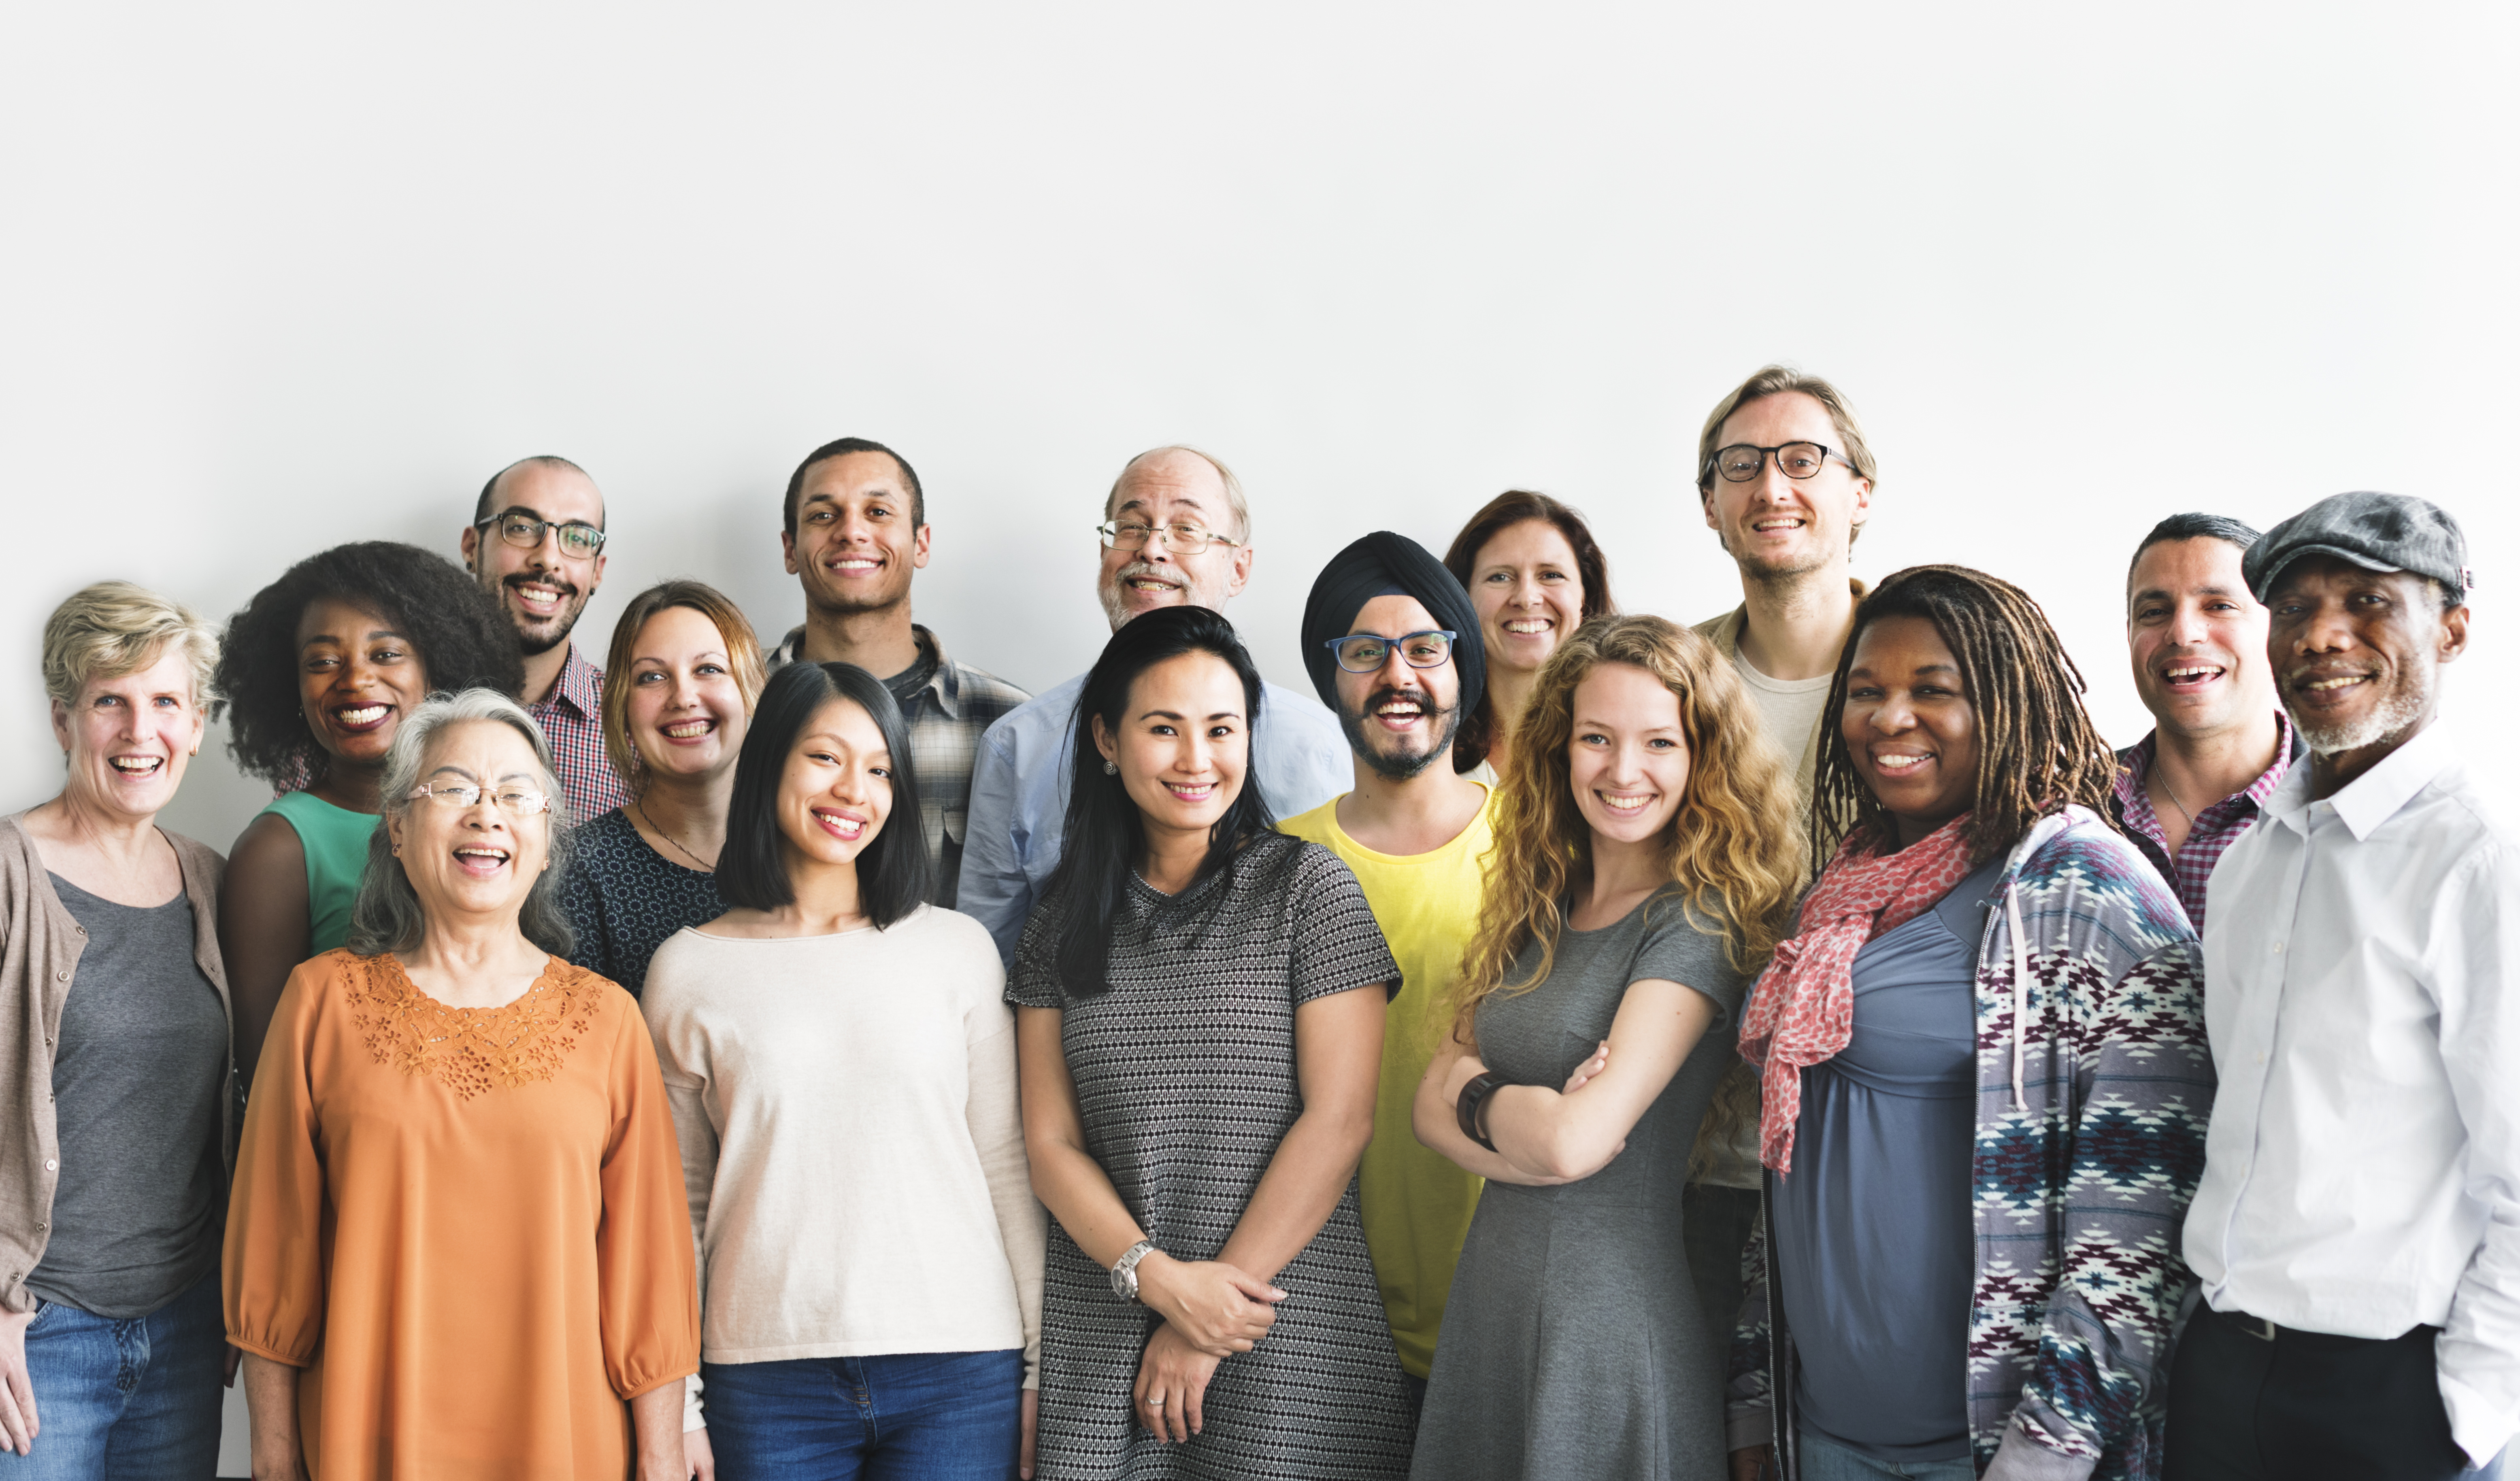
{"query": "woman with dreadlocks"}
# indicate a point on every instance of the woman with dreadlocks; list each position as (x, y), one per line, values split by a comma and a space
(1985, 1082)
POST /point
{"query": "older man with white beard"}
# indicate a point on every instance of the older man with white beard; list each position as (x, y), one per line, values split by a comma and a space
(1162, 546)
(2358, 1226)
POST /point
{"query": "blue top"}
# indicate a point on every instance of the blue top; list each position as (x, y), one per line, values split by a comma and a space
(1876, 1243)
(1018, 808)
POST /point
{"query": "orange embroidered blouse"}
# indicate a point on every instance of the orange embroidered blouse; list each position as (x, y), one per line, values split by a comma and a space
(465, 1226)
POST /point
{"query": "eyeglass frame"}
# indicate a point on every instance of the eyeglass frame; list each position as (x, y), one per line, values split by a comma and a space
(1767, 455)
(1449, 634)
(1109, 531)
(543, 529)
(446, 796)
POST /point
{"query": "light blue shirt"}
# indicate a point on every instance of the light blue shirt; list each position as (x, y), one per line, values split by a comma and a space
(1018, 808)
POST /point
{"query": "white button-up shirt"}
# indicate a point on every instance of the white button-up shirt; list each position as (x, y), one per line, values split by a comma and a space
(2363, 999)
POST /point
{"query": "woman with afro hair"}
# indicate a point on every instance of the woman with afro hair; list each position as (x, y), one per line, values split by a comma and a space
(315, 676)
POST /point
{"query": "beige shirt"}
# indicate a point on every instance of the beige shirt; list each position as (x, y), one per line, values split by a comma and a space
(40, 943)
(852, 1141)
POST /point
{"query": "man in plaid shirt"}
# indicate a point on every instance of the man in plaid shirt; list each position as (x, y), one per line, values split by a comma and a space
(856, 531)
(536, 544)
(2220, 745)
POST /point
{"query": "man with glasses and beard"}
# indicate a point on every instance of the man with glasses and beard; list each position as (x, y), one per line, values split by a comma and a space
(2358, 1226)
(1176, 532)
(1392, 644)
(536, 546)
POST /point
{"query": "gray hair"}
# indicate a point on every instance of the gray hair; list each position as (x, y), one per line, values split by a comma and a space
(387, 916)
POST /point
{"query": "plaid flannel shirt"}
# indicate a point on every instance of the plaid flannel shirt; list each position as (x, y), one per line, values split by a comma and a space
(2214, 829)
(947, 717)
(571, 716)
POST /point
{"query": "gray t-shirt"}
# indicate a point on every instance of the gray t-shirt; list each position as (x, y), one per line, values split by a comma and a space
(143, 1047)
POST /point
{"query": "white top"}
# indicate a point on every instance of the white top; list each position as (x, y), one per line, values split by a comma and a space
(1789, 708)
(2363, 999)
(852, 1141)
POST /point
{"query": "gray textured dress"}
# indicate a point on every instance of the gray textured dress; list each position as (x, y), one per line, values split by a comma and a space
(1572, 1343)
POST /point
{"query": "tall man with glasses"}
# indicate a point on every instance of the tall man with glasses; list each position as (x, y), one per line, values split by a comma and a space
(2356, 1229)
(536, 545)
(1176, 532)
(1392, 644)
(855, 531)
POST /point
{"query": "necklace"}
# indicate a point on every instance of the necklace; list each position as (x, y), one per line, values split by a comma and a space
(707, 868)
(2152, 773)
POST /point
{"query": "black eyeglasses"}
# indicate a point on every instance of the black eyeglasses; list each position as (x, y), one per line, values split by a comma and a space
(1740, 463)
(1365, 652)
(524, 530)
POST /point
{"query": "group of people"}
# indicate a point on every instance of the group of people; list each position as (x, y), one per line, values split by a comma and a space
(1565, 1044)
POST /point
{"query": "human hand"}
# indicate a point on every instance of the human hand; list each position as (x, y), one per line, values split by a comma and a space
(1172, 1379)
(1217, 1308)
(1031, 1421)
(699, 1462)
(17, 1422)
(1600, 1062)
(1750, 1462)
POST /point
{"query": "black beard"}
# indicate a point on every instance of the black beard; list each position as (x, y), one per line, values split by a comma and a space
(555, 629)
(1446, 722)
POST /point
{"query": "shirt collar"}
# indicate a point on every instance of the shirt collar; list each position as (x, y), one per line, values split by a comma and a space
(2136, 759)
(945, 683)
(579, 685)
(2375, 796)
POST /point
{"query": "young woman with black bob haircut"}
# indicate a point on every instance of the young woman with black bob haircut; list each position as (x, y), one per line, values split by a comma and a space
(841, 1066)
(316, 675)
(1198, 1078)
(1985, 1082)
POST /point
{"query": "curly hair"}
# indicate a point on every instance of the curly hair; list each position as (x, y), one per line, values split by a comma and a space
(1730, 850)
(1519, 505)
(461, 638)
(2037, 748)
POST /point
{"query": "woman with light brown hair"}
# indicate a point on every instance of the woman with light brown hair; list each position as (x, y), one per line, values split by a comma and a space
(1640, 876)
(679, 688)
(1535, 574)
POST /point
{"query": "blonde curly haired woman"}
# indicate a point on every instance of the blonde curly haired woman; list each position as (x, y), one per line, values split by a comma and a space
(1644, 863)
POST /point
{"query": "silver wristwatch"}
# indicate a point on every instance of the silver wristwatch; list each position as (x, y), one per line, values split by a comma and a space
(1124, 1273)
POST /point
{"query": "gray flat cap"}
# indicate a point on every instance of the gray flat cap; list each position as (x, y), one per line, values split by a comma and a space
(2380, 532)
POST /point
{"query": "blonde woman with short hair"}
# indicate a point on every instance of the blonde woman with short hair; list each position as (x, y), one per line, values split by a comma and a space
(1643, 865)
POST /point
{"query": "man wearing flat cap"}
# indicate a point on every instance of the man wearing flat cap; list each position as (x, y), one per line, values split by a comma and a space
(1392, 644)
(2358, 1226)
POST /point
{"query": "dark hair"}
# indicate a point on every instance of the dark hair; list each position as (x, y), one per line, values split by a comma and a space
(842, 448)
(1104, 831)
(2192, 527)
(2037, 748)
(894, 872)
(481, 509)
(1519, 506)
(464, 640)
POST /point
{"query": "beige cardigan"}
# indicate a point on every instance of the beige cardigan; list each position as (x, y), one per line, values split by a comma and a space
(39, 952)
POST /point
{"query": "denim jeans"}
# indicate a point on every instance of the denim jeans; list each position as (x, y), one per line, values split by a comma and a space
(135, 1399)
(898, 1416)
(1825, 1459)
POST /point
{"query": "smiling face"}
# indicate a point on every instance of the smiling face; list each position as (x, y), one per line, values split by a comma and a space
(1910, 727)
(1164, 489)
(2357, 654)
(356, 679)
(1529, 593)
(1627, 757)
(1399, 718)
(835, 791)
(543, 590)
(685, 715)
(855, 544)
(476, 862)
(1777, 527)
(127, 740)
(1184, 743)
(2198, 638)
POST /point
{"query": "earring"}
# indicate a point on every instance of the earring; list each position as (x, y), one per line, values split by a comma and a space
(1111, 768)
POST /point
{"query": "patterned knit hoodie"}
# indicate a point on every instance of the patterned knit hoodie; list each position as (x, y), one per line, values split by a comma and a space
(2091, 1137)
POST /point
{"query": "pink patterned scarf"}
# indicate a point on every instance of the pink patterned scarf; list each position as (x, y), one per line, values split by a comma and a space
(1802, 1008)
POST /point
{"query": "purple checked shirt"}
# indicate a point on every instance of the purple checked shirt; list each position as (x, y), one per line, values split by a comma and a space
(572, 720)
(2214, 827)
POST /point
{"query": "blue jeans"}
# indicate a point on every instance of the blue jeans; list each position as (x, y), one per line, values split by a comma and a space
(898, 1416)
(135, 1399)
(1825, 1459)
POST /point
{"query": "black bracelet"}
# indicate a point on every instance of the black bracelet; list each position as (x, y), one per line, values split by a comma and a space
(1473, 1099)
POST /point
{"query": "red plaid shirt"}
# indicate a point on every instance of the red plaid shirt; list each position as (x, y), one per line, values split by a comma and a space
(572, 722)
(2213, 829)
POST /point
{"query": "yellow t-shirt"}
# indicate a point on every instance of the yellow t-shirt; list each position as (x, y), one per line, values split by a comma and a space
(1417, 1204)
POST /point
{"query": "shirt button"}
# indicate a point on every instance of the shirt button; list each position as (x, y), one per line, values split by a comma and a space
(61, 977)
(2262, 1056)
(51, 1164)
(2277, 948)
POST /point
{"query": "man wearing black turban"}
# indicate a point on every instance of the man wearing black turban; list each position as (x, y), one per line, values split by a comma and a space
(1416, 834)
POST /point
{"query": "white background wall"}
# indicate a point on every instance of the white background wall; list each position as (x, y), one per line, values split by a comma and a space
(277, 280)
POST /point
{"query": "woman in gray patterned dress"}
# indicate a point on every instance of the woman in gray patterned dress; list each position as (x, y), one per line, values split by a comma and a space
(1645, 857)
(1199, 1010)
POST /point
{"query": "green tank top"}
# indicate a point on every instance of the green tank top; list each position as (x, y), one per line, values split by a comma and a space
(336, 841)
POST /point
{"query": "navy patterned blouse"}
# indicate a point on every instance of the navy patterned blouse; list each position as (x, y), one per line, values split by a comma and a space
(625, 899)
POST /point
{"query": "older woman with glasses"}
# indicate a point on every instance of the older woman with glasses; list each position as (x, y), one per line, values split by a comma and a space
(114, 1066)
(458, 1243)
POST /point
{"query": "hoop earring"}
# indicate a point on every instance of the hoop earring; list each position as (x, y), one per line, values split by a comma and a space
(1109, 768)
